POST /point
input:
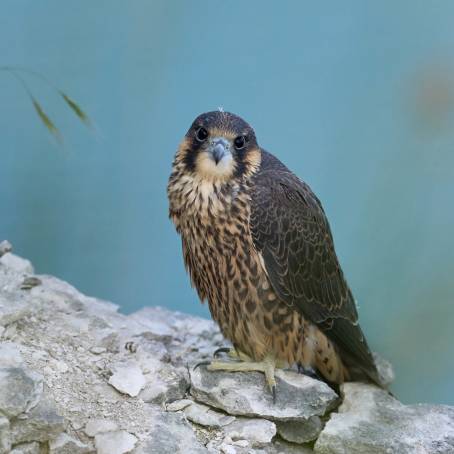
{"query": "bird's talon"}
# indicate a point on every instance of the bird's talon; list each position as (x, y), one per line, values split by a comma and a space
(221, 350)
(202, 363)
(267, 367)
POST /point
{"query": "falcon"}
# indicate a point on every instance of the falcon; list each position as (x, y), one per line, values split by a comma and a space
(258, 247)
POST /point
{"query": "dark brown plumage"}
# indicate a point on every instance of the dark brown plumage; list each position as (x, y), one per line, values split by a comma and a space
(258, 247)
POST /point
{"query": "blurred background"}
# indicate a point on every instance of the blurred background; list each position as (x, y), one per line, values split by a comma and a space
(356, 97)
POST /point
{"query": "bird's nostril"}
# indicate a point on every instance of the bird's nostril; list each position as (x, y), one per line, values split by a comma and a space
(224, 143)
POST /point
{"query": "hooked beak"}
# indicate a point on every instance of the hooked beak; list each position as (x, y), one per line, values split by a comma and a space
(219, 148)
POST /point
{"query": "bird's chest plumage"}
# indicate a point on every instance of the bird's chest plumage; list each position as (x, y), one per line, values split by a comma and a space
(218, 252)
(217, 243)
(228, 272)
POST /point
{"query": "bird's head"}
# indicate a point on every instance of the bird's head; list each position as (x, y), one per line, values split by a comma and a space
(219, 146)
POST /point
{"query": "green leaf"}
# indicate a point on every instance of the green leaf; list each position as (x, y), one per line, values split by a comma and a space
(46, 120)
(76, 109)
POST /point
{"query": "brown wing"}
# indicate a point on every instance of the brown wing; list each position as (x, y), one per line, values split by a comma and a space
(290, 230)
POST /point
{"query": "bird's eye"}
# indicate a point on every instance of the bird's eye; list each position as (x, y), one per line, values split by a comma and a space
(239, 142)
(201, 134)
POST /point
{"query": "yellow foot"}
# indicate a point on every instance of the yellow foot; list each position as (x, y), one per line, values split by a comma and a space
(245, 364)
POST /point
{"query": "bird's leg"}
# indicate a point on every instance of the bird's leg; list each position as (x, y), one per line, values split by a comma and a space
(245, 364)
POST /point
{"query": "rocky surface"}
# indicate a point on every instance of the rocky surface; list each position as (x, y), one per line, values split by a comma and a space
(76, 376)
(370, 420)
(298, 398)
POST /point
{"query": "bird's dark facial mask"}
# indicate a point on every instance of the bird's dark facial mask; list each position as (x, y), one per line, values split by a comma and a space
(219, 146)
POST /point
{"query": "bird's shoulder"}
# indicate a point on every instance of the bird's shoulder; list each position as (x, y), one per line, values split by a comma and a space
(275, 183)
(269, 162)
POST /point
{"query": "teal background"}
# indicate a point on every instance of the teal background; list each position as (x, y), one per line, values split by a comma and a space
(356, 97)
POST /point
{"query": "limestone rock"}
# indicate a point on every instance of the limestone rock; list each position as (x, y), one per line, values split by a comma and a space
(282, 447)
(63, 360)
(278, 446)
(41, 423)
(298, 397)
(128, 379)
(164, 382)
(187, 339)
(64, 444)
(171, 433)
(119, 442)
(16, 263)
(225, 448)
(179, 405)
(370, 420)
(5, 437)
(205, 416)
(98, 426)
(385, 369)
(256, 431)
(300, 432)
(98, 350)
(13, 308)
(26, 448)
(5, 246)
(10, 355)
(19, 390)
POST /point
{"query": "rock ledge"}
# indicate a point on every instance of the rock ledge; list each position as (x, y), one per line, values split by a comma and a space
(68, 385)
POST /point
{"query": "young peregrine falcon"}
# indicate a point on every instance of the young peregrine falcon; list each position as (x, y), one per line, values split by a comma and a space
(257, 245)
